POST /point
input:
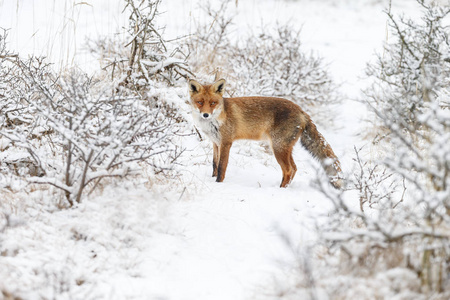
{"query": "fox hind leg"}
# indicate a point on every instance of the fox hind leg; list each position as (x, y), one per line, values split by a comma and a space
(294, 166)
(286, 162)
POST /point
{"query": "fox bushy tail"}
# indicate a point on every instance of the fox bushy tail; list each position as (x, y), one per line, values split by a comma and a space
(316, 144)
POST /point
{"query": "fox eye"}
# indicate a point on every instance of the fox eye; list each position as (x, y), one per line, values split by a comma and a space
(200, 103)
(213, 103)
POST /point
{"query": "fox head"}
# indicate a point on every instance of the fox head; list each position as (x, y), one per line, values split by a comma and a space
(207, 100)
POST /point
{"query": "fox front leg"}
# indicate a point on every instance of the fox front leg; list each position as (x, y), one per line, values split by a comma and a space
(224, 152)
(215, 159)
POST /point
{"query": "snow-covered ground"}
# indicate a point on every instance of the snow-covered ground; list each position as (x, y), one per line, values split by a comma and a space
(186, 237)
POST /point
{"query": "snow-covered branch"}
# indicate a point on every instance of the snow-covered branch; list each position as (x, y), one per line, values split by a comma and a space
(88, 132)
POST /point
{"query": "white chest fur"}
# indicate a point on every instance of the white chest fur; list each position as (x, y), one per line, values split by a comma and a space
(209, 127)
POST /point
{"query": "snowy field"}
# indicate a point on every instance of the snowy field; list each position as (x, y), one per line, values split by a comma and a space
(186, 236)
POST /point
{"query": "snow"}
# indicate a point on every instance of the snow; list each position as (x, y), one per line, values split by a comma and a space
(185, 237)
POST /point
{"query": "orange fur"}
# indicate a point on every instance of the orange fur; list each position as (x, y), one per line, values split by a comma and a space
(277, 120)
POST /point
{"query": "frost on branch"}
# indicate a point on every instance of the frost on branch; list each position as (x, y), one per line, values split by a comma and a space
(14, 113)
(269, 63)
(77, 132)
(273, 64)
(145, 55)
(414, 67)
(403, 218)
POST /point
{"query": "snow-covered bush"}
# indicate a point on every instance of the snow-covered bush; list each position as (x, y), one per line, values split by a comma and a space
(145, 55)
(211, 43)
(143, 63)
(77, 131)
(70, 130)
(414, 66)
(403, 221)
(271, 63)
(14, 114)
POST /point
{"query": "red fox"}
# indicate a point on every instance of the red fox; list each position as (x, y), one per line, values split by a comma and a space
(277, 120)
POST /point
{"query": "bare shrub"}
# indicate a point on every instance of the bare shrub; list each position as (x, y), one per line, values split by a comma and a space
(72, 130)
(389, 230)
(145, 55)
(414, 67)
(14, 113)
(146, 62)
(374, 183)
(269, 63)
(403, 220)
(210, 45)
(273, 64)
(77, 131)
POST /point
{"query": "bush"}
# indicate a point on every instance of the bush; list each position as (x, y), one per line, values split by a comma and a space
(270, 63)
(406, 220)
(145, 55)
(77, 131)
(71, 131)
(414, 68)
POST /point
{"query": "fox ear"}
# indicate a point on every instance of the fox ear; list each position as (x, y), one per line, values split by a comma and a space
(194, 87)
(219, 86)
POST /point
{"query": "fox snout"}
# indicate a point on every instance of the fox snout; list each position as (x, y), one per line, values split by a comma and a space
(206, 116)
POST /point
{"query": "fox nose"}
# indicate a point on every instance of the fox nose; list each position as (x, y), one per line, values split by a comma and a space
(205, 116)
